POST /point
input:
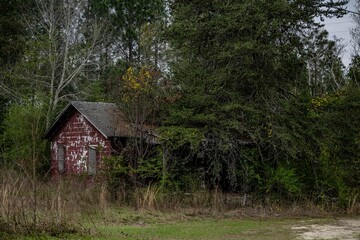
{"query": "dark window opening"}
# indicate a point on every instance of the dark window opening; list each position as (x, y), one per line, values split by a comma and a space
(92, 161)
(61, 159)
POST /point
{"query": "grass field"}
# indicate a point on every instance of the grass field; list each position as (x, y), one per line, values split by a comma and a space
(71, 210)
(204, 229)
(155, 225)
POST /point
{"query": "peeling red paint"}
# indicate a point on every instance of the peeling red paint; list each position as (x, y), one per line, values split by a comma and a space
(77, 135)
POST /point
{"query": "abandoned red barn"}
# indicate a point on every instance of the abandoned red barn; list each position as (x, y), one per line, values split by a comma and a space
(82, 134)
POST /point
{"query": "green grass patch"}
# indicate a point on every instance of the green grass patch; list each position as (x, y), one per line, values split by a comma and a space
(123, 224)
(202, 229)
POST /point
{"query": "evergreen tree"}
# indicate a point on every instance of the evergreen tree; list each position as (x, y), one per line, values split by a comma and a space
(127, 20)
(239, 64)
(12, 38)
(12, 31)
(135, 41)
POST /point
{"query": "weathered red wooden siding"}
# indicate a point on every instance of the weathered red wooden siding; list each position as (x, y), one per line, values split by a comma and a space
(77, 135)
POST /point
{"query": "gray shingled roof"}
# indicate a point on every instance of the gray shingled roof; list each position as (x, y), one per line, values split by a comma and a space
(103, 116)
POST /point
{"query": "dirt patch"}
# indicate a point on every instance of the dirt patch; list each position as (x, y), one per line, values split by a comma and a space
(348, 229)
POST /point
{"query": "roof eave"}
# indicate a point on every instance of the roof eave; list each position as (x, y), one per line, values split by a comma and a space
(92, 124)
(51, 130)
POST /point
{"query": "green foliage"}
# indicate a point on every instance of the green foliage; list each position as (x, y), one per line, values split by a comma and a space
(116, 172)
(259, 102)
(341, 118)
(243, 83)
(283, 181)
(122, 177)
(179, 146)
(12, 31)
(174, 137)
(3, 106)
(109, 82)
(150, 169)
(127, 17)
(354, 70)
(115, 167)
(21, 140)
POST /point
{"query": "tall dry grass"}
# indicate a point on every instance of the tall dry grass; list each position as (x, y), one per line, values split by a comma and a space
(217, 203)
(146, 198)
(30, 206)
(60, 207)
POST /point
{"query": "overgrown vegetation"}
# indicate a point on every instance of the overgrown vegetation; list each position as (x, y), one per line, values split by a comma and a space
(249, 103)
(54, 209)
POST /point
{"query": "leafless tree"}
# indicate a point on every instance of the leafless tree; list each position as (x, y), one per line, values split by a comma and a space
(62, 54)
(324, 65)
(355, 32)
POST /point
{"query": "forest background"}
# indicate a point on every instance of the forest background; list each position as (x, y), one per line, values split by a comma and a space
(249, 97)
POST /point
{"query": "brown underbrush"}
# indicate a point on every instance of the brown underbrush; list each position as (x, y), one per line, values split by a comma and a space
(29, 206)
(54, 208)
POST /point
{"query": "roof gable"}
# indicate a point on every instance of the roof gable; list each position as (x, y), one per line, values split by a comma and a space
(105, 117)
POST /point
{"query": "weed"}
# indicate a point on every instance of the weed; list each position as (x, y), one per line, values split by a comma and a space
(59, 205)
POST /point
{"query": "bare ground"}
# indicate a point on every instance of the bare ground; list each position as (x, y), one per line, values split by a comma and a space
(347, 229)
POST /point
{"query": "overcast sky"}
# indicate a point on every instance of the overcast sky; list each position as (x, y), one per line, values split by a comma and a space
(340, 27)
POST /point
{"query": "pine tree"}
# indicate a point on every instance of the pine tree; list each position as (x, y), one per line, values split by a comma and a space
(239, 64)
